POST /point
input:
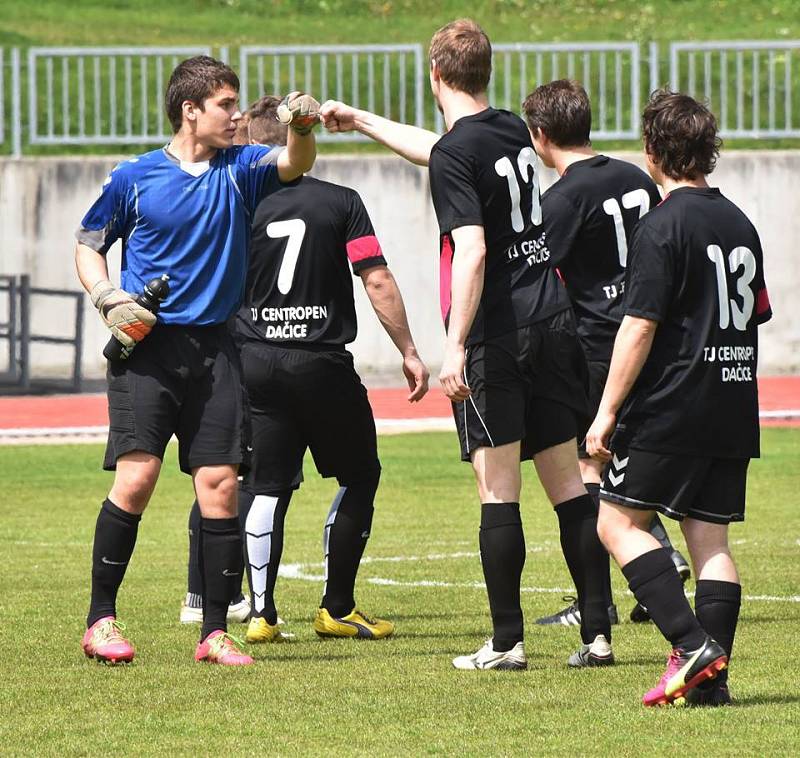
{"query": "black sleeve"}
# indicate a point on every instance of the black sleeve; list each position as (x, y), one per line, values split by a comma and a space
(762, 305)
(363, 248)
(562, 221)
(649, 276)
(454, 189)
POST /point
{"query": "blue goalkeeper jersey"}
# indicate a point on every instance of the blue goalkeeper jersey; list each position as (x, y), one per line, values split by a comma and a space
(188, 220)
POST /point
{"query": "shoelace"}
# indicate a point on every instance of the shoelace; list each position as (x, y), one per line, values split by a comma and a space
(673, 664)
(364, 616)
(226, 643)
(109, 631)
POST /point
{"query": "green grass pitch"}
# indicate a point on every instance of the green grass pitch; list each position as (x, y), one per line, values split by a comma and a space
(397, 696)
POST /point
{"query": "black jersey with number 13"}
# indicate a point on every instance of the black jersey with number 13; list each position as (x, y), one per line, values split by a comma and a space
(304, 242)
(696, 267)
(483, 173)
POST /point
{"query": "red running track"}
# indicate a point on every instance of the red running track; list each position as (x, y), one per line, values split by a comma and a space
(777, 393)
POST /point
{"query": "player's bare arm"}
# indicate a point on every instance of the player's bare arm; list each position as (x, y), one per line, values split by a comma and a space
(631, 348)
(410, 142)
(469, 265)
(301, 146)
(387, 302)
(128, 321)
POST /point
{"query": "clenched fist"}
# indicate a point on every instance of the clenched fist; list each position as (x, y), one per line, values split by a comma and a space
(299, 111)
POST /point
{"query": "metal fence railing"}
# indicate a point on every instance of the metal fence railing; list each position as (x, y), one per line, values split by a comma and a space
(16, 329)
(749, 84)
(114, 95)
(387, 79)
(96, 95)
(609, 71)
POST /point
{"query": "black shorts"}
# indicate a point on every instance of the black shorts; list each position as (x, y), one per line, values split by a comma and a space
(306, 398)
(528, 385)
(598, 373)
(705, 489)
(181, 380)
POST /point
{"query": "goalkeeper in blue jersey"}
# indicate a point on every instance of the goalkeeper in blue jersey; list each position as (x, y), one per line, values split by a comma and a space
(182, 210)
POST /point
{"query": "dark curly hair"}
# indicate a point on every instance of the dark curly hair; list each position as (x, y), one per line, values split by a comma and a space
(680, 135)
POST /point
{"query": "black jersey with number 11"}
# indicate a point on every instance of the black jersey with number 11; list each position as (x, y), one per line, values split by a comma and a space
(589, 215)
(304, 242)
(696, 267)
(483, 173)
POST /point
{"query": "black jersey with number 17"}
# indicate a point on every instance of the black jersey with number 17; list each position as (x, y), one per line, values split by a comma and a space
(696, 267)
(483, 172)
(589, 215)
(304, 242)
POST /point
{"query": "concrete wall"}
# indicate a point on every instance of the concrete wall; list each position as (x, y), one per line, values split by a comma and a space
(43, 199)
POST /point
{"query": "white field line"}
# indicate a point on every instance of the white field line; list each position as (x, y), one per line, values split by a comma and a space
(306, 572)
(93, 434)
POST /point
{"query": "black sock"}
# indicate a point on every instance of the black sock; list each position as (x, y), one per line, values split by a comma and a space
(717, 606)
(660, 533)
(502, 545)
(263, 546)
(194, 587)
(114, 539)
(588, 564)
(345, 536)
(593, 488)
(658, 587)
(221, 565)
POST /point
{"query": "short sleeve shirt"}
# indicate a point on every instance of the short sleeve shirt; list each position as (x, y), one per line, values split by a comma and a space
(190, 221)
(589, 215)
(308, 241)
(483, 172)
(696, 267)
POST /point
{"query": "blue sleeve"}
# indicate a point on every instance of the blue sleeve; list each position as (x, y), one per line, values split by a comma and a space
(257, 167)
(110, 215)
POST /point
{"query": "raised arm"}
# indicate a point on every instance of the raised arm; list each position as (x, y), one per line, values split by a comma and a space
(301, 146)
(411, 142)
(466, 287)
(387, 302)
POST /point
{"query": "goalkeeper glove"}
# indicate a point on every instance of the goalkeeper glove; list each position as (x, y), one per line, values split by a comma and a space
(299, 111)
(128, 321)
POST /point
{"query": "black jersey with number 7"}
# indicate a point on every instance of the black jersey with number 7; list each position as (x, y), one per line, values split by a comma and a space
(484, 172)
(696, 267)
(304, 243)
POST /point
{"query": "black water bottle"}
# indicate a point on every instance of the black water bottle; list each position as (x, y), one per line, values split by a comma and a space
(154, 293)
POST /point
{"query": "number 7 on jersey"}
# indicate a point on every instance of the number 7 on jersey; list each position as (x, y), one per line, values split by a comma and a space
(294, 230)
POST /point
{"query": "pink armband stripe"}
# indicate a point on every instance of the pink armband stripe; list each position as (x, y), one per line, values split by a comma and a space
(363, 247)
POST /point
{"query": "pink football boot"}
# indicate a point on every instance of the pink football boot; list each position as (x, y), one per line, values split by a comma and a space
(220, 647)
(104, 642)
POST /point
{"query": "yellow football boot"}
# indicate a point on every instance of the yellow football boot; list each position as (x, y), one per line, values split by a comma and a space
(259, 630)
(355, 624)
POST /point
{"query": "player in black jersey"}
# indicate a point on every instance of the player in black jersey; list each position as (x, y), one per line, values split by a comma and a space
(297, 316)
(513, 366)
(589, 214)
(682, 395)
